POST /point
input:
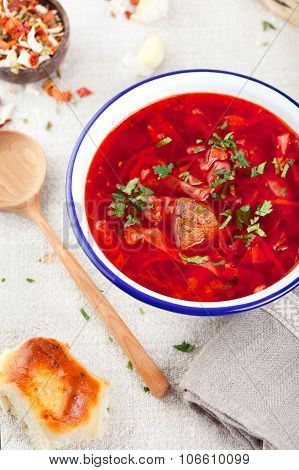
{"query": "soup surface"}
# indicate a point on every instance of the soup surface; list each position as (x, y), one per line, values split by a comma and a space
(196, 197)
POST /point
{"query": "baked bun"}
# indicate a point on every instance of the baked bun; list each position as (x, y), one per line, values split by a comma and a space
(52, 394)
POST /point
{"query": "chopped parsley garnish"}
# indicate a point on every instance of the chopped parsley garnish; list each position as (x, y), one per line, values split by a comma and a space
(118, 208)
(146, 191)
(184, 347)
(3, 279)
(283, 191)
(288, 164)
(219, 263)
(129, 188)
(226, 186)
(141, 311)
(146, 389)
(163, 142)
(223, 125)
(267, 25)
(255, 228)
(228, 142)
(28, 279)
(198, 149)
(131, 220)
(58, 73)
(243, 216)
(199, 141)
(139, 201)
(110, 339)
(247, 238)
(118, 196)
(282, 166)
(130, 365)
(49, 125)
(84, 314)
(264, 209)
(239, 158)
(163, 170)
(258, 170)
(194, 259)
(225, 189)
(228, 215)
(127, 195)
(184, 176)
(223, 171)
(253, 224)
(226, 176)
(218, 182)
(277, 162)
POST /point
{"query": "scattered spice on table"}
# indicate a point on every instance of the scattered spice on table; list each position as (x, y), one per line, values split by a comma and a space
(84, 314)
(146, 389)
(267, 26)
(48, 258)
(30, 34)
(5, 114)
(184, 347)
(142, 11)
(82, 92)
(49, 125)
(28, 279)
(51, 89)
(130, 365)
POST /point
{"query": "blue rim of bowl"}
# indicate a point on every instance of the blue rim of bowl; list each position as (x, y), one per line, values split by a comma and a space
(124, 286)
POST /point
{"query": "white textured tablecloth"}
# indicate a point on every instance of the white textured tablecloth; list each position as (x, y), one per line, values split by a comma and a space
(223, 34)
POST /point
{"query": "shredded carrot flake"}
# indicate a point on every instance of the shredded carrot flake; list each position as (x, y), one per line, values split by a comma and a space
(52, 90)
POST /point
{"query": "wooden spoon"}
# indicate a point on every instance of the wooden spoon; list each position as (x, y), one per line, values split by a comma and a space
(287, 9)
(22, 174)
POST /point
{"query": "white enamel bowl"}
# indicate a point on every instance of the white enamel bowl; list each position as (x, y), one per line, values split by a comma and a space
(118, 109)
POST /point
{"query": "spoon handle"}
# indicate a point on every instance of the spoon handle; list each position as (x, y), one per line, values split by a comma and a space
(144, 365)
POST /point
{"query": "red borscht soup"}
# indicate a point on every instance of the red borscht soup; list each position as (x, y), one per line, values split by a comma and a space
(196, 197)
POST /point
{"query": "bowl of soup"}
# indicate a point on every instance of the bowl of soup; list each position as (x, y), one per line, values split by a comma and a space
(183, 190)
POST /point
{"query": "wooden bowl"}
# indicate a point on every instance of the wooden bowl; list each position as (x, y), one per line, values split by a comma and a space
(45, 69)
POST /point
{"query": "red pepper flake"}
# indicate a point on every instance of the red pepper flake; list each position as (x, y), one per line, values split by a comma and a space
(134, 2)
(128, 14)
(39, 31)
(82, 92)
(4, 123)
(52, 90)
(33, 59)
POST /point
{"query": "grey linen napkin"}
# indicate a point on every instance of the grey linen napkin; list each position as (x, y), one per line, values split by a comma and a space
(247, 378)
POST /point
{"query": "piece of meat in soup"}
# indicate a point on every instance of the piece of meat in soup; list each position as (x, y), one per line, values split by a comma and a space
(194, 222)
